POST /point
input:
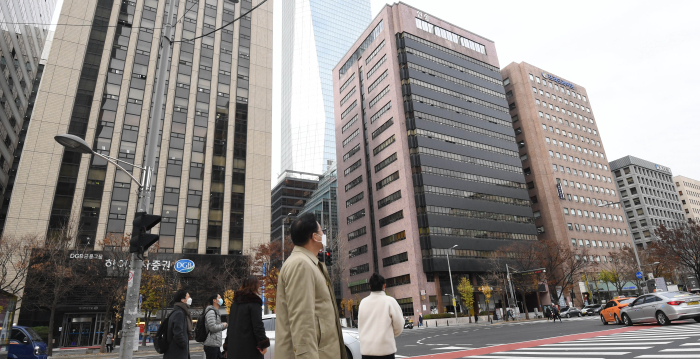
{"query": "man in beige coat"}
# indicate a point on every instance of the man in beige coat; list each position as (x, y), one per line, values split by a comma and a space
(307, 323)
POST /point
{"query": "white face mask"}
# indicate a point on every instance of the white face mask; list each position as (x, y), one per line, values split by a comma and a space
(189, 301)
(323, 240)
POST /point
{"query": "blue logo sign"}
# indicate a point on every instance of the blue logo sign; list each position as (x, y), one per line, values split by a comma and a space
(558, 80)
(640, 275)
(560, 191)
(184, 266)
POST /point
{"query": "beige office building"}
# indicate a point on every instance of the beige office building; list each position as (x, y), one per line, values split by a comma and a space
(213, 171)
(689, 194)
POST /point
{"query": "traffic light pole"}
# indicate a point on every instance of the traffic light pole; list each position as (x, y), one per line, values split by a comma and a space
(131, 309)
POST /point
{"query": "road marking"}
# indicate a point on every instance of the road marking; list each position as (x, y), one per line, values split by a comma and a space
(563, 353)
(671, 356)
(590, 348)
(577, 343)
(450, 348)
(682, 350)
(520, 357)
(687, 344)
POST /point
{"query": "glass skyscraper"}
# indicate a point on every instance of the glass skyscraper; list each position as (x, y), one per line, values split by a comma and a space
(315, 35)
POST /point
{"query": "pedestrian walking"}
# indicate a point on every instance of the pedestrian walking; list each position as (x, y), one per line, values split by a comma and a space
(555, 314)
(420, 319)
(548, 312)
(179, 327)
(212, 346)
(246, 334)
(109, 342)
(380, 320)
(307, 322)
(476, 317)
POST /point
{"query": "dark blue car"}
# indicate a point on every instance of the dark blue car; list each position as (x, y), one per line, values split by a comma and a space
(25, 343)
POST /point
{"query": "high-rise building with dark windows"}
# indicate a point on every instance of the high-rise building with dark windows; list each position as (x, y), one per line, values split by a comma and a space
(24, 41)
(427, 158)
(213, 169)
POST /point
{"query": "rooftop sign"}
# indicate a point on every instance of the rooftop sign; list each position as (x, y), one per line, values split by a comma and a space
(558, 80)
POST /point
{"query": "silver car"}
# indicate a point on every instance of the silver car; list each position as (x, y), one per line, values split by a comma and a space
(350, 337)
(662, 308)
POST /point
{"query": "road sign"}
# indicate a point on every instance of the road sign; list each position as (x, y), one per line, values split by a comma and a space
(640, 275)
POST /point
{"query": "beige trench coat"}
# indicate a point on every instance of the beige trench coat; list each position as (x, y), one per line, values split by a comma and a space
(307, 324)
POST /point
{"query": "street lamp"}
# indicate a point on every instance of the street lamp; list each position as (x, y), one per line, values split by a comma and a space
(285, 219)
(452, 288)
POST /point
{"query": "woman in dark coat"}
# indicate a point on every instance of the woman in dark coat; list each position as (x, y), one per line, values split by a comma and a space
(179, 327)
(246, 333)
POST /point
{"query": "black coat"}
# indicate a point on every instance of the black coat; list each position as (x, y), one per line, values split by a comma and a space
(246, 332)
(178, 335)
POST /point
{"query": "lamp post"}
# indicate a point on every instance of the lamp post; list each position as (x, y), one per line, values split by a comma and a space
(283, 242)
(452, 288)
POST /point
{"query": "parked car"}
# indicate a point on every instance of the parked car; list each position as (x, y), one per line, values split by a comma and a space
(568, 312)
(350, 336)
(591, 309)
(25, 343)
(611, 312)
(662, 308)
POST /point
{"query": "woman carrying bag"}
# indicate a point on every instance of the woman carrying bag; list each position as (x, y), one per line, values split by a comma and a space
(246, 333)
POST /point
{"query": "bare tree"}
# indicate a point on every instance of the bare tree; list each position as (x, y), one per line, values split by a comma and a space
(563, 265)
(679, 245)
(15, 257)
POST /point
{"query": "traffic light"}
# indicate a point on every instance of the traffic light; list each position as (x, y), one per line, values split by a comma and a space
(329, 258)
(140, 239)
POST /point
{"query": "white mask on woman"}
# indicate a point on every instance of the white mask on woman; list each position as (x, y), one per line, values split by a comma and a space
(189, 301)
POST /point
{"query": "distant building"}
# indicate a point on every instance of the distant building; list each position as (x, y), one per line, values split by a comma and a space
(649, 196)
(289, 197)
(689, 194)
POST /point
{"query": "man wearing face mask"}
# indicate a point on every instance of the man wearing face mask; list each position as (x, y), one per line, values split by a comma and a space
(307, 323)
(179, 327)
(214, 326)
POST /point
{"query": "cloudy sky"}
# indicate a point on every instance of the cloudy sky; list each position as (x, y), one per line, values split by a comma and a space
(636, 59)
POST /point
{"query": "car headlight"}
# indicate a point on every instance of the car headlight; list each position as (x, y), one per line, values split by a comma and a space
(354, 335)
(37, 350)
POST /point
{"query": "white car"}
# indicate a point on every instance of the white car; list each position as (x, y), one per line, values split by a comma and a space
(350, 337)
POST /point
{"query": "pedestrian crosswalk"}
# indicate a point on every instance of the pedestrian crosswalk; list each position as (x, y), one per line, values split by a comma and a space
(677, 341)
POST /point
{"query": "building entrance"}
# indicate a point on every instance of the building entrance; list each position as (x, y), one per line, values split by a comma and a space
(82, 330)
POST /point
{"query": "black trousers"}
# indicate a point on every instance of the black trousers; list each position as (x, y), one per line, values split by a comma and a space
(212, 352)
(390, 356)
(110, 347)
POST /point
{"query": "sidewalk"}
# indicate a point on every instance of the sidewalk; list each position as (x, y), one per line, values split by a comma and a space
(92, 352)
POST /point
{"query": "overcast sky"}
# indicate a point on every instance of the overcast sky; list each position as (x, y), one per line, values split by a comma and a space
(636, 59)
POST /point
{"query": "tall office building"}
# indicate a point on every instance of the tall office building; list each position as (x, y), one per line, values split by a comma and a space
(689, 194)
(213, 171)
(648, 196)
(289, 197)
(427, 158)
(315, 35)
(23, 39)
(566, 168)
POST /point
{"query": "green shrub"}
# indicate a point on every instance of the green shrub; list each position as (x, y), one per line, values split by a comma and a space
(43, 332)
(438, 316)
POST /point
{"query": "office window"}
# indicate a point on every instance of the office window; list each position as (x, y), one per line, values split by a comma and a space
(394, 217)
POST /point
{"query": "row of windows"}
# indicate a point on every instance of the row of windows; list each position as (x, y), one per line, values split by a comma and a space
(467, 176)
(389, 199)
(395, 259)
(451, 52)
(380, 112)
(555, 86)
(379, 80)
(580, 173)
(382, 128)
(361, 49)
(396, 237)
(655, 202)
(394, 217)
(357, 251)
(352, 152)
(645, 172)
(455, 80)
(351, 137)
(376, 66)
(347, 97)
(355, 216)
(363, 268)
(649, 191)
(555, 97)
(357, 233)
(597, 244)
(379, 97)
(354, 199)
(455, 94)
(441, 191)
(597, 229)
(347, 110)
(474, 233)
(590, 258)
(458, 212)
(347, 83)
(462, 142)
(397, 281)
(388, 179)
(570, 124)
(374, 52)
(384, 145)
(574, 148)
(353, 167)
(459, 110)
(463, 126)
(350, 123)
(449, 64)
(384, 163)
(451, 36)
(466, 159)
(467, 253)
(598, 215)
(353, 183)
(556, 108)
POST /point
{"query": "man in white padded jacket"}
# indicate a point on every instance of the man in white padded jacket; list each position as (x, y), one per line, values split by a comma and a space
(380, 320)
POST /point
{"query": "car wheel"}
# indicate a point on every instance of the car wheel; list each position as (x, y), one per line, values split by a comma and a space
(626, 320)
(617, 320)
(697, 319)
(662, 319)
(347, 351)
(602, 319)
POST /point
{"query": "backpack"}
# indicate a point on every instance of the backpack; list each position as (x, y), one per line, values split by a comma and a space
(160, 341)
(200, 331)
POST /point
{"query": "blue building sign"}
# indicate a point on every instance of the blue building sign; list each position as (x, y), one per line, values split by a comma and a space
(558, 80)
(184, 266)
